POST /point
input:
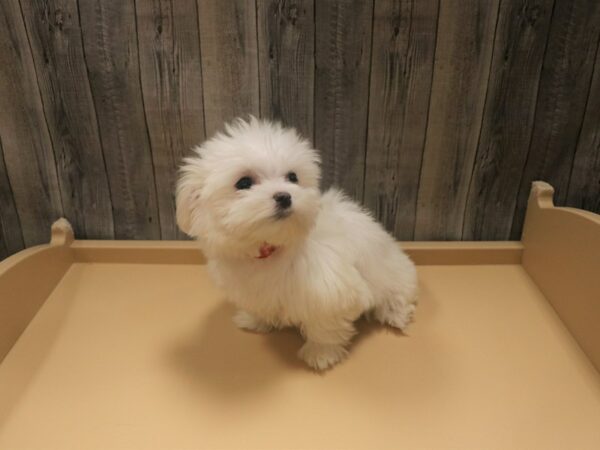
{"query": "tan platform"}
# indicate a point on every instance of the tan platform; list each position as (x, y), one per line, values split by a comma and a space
(127, 345)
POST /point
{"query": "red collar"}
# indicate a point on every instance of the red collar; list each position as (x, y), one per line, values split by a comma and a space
(266, 250)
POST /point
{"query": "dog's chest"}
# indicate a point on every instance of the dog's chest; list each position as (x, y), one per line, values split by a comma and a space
(276, 291)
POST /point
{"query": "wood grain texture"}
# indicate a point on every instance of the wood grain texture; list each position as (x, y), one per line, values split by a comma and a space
(11, 239)
(26, 143)
(462, 63)
(55, 38)
(343, 58)
(437, 115)
(564, 88)
(519, 47)
(171, 77)
(584, 183)
(286, 40)
(110, 44)
(229, 60)
(404, 35)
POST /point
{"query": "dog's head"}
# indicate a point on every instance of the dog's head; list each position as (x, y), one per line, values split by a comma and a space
(255, 183)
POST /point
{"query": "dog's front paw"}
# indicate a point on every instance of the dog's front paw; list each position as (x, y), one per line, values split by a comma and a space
(247, 321)
(321, 356)
(396, 316)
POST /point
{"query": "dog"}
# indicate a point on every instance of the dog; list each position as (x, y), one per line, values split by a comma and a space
(285, 254)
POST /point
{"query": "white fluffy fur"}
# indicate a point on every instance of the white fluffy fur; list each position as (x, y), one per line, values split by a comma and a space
(333, 261)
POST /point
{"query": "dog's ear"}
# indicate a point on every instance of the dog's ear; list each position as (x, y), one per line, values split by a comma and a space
(183, 204)
(187, 192)
(187, 196)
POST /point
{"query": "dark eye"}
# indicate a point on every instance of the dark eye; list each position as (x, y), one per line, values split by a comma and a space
(292, 177)
(244, 183)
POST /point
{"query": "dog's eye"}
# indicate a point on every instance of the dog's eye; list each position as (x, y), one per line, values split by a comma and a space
(292, 177)
(244, 183)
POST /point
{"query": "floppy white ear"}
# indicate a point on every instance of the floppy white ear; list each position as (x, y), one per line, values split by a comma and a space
(187, 193)
(183, 204)
(187, 198)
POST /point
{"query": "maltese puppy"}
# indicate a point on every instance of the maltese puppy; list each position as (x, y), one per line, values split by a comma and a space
(283, 253)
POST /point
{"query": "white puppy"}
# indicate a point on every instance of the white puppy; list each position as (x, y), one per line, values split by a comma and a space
(283, 253)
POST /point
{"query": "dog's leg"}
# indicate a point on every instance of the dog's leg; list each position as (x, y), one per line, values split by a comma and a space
(246, 321)
(397, 314)
(326, 343)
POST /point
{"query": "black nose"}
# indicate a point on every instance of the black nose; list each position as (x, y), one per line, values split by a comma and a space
(283, 200)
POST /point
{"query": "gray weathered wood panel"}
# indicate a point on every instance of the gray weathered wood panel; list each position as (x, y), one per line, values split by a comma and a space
(584, 183)
(28, 152)
(286, 40)
(11, 238)
(110, 44)
(508, 117)
(462, 64)
(404, 35)
(564, 89)
(55, 37)
(343, 57)
(229, 60)
(171, 78)
(436, 115)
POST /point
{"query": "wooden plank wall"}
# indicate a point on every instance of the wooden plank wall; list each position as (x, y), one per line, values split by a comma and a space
(437, 115)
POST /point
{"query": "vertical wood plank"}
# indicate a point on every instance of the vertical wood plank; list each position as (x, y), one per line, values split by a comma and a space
(584, 184)
(171, 76)
(229, 60)
(110, 45)
(519, 46)
(286, 32)
(564, 88)
(11, 238)
(26, 143)
(55, 37)
(404, 35)
(343, 58)
(462, 62)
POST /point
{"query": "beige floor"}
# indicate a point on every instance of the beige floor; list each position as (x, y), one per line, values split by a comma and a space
(146, 357)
